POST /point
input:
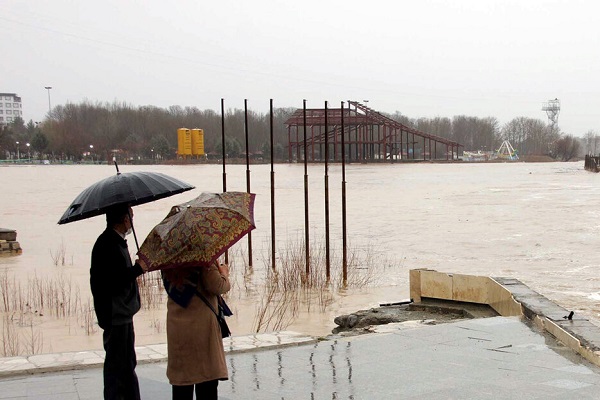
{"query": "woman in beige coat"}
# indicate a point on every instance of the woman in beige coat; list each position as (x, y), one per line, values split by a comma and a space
(194, 341)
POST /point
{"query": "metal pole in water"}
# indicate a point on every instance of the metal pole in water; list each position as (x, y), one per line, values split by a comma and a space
(272, 188)
(224, 155)
(247, 175)
(327, 250)
(344, 236)
(306, 219)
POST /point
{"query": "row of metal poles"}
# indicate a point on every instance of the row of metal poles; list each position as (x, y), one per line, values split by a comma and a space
(306, 197)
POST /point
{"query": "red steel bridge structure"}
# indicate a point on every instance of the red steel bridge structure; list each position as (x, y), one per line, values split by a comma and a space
(368, 136)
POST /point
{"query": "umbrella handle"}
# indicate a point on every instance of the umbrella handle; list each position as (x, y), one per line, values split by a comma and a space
(132, 227)
(135, 237)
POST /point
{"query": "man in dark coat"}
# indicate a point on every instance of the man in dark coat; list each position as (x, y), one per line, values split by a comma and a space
(116, 300)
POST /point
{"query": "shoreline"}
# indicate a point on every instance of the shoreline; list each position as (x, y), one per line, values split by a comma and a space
(242, 161)
(483, 219)
(471, 301)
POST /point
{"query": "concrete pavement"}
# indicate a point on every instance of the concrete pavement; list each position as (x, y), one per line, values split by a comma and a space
(499, 357)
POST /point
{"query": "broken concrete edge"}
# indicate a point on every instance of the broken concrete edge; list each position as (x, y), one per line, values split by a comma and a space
(509, 297)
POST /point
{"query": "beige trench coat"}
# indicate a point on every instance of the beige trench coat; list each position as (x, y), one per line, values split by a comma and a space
(194, 342)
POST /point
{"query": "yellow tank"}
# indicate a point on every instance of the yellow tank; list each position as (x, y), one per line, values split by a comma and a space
(184, 142)
(197, 142)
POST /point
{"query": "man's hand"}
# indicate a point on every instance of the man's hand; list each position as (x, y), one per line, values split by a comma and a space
(142, 264)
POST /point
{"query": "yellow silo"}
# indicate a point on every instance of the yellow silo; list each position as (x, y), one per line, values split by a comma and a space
(184, 142)
(197, 142)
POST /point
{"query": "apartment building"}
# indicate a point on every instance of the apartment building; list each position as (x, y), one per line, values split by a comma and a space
(10, 107)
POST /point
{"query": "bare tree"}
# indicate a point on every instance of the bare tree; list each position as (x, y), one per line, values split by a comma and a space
(591, 141)
(566, 148)
(72, 128)
(529, 136)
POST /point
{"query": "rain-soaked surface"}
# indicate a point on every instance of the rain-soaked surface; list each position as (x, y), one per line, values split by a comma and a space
(482, 358)
(498, 357)
(537, 222)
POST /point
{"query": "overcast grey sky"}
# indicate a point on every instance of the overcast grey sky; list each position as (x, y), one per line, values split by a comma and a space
(424, 58)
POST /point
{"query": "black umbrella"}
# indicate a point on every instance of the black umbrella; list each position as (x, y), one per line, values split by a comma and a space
(129, 188)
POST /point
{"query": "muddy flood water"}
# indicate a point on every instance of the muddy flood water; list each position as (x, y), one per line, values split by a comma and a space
(539, 223)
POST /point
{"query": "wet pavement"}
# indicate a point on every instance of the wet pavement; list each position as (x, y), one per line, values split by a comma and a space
(499, 357)
(55, 362)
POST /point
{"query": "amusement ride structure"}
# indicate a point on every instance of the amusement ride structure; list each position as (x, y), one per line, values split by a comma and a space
(507, 152)
(369, 136)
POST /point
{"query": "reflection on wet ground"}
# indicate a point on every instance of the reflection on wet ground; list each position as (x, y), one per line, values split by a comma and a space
(498, 357)
(489, 358)
(312, 367)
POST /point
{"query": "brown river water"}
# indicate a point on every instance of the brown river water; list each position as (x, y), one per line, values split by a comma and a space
(537, 222)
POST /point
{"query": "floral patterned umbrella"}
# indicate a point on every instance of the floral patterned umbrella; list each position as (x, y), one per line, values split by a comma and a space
(196, 233)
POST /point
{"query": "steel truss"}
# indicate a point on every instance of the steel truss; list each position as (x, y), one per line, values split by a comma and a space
(369, 137)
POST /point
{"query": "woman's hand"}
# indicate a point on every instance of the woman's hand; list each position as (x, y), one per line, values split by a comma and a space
(223, 270)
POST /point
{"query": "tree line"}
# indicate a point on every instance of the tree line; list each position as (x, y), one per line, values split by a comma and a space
(101, 130)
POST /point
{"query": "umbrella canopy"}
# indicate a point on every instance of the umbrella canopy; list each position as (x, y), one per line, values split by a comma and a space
(129, 188)
(196, 233)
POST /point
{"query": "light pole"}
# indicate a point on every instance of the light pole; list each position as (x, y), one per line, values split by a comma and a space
(18, 154)
(49, 104)
(91, 155)
(28, 153)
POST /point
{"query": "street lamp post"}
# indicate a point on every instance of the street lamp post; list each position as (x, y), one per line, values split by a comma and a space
(91, 155)
(49, 104)
(18, 154)
(28, 152)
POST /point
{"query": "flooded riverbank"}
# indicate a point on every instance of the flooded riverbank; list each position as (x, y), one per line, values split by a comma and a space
(534, 222)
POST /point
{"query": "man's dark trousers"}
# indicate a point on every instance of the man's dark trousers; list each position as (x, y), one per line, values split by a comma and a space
(120, 379)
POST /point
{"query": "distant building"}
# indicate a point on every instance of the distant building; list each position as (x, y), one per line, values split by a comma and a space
(10, 107)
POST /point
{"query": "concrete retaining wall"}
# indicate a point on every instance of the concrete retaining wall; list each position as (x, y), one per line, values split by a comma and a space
(510, 297)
